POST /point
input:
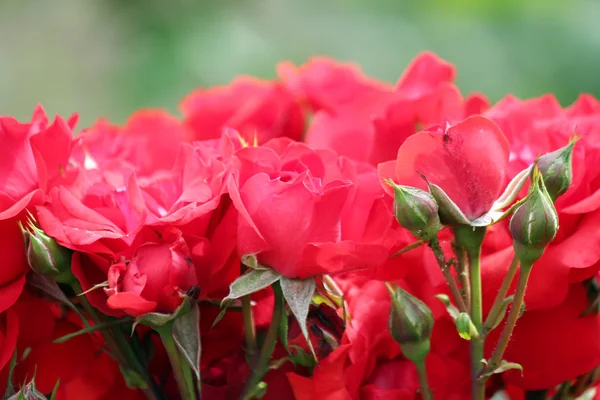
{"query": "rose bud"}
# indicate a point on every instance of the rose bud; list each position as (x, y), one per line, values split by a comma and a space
(557, 169)
(535, 223)
(410, 324)
(45, 256)
(28, 392)
(416, 210)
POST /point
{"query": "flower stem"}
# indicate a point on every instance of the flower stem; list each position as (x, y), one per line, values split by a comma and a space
(434, 244)
(119, 347)
(422, 374)
(471, 239)
(262, 363)
(513, 315)
(181, 369)
(249, 328)
(497, 306)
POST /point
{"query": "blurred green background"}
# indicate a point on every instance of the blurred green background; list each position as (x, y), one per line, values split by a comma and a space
(109, 57)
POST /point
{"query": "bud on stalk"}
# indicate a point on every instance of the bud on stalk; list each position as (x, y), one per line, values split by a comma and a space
(535, 223)
(44, 255)
(557, 169)
(410, 324)
(416, 210)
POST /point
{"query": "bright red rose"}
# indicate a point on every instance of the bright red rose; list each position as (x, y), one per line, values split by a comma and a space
(154, 278)
(467, 160)
(257, 109)
(268, 189)
(32, 157)
(368, 120)
(148, 142)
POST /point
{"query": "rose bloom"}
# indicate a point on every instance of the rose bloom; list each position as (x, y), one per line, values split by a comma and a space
(33, 156)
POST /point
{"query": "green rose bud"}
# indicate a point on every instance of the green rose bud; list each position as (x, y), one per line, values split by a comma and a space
(535, 223)
(416, 210)
(44, 255)
(410, 324)
(557, 169)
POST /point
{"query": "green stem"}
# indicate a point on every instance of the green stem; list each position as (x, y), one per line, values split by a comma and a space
(471, 239)
(262, 363)
(513, 315)
(499, 300)
(434, 244)
(119, 347)
(181, 369)
(463, 275)
(422, 374)
(249, 328)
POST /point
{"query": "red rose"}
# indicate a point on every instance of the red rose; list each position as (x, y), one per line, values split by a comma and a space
(268, 189)
(148, 142)
(257, 109)
(368, 120)
(538, 126)
(559, 336)
(32, 157)
(153, 279)
(84, 370)
(468, 161)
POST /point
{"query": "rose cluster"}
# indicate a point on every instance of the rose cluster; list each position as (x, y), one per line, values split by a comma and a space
(320, 236)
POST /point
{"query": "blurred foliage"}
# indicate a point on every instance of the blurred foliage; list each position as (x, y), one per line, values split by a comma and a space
(109, 57)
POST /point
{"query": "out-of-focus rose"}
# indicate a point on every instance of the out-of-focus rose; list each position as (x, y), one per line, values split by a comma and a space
(367, 120)
(257, 109)
(154, 278)
(9, 330)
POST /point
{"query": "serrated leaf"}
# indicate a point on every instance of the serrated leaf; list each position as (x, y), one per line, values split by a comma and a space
(450, 308)
(298, 295)
(252, 281)
(155, 320)
(186, 333)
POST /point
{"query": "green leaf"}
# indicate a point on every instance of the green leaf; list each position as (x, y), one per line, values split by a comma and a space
(93, 328)
(55, 391)
(450, 308)
(298, 295)
(133, 380)
(505, 303)
(300, 357)
(505, 366)
(10, 389)
(45, 287)
(251, 282)
(465, 327)
(186, 333)
(157, 320)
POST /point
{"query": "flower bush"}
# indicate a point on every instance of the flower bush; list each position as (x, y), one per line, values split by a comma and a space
(320, 236)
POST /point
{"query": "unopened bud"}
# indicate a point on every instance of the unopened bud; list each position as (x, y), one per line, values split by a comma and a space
(557, 169)
(28, 392)
(410, 324)
(45, 256)
(535, 223)
(416, 210)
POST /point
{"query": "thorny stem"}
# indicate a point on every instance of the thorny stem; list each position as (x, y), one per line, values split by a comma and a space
(434, 244)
